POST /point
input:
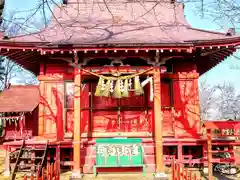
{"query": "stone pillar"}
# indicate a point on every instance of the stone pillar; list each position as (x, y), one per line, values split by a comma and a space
(158, 123)
(77, 171)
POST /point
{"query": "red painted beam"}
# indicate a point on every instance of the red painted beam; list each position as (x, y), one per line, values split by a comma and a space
(222, 124)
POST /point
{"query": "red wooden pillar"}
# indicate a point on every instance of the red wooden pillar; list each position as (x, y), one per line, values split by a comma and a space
(41, 110)
(77, 171)
(59, 122)
(209, 150)
(180, 153)
(158, 123)
(58, 160)
(41, 106)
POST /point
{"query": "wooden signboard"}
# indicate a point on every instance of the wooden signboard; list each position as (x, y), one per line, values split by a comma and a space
(119, 152)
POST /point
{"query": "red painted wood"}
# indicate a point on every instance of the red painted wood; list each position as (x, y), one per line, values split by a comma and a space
(12, 130)
(58, 68)
(222, 124)
(101, 118)
(187, 121)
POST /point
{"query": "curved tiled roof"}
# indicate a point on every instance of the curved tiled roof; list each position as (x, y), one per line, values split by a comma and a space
(119, 22)
(19, 99)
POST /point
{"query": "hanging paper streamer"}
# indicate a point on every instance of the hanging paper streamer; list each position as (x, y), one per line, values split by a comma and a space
(121, 86)
(151, 89)
(137, 86)
(111, 86)
(125, 89)
(106, 91)
(4, 123)
(21, 123)
(117, 91)
(150, 81)
(129, 84)
(103, 85)
(99, 86)
(118, 85)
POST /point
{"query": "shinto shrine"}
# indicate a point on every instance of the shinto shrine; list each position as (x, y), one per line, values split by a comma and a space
(118, 88)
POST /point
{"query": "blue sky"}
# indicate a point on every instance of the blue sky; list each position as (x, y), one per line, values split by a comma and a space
(219, 74)
(225, 71)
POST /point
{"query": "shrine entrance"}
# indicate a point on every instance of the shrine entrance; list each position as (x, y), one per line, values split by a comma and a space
(120, 115)
(116, 98)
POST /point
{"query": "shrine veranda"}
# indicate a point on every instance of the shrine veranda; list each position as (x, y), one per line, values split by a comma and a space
(138, 84)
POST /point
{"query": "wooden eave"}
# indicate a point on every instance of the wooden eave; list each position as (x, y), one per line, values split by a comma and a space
(28, 54)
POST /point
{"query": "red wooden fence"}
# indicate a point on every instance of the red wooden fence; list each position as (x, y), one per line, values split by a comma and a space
(52, 172)
(180, 173)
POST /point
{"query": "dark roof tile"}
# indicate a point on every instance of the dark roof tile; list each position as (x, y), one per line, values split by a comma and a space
(119, 22)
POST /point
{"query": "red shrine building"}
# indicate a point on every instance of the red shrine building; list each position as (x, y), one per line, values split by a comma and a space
(127, 70)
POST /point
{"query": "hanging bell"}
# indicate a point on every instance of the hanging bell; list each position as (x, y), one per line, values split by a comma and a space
(137, 86)
(106, 91)
(117, 90)
(125, 89)
(99, 86)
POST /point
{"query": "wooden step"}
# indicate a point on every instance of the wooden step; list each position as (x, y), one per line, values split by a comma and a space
(33, 149)
(31, 158)
(26, 171)
(30, 167)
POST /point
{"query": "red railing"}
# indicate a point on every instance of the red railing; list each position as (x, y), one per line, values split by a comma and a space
(180, 173)
(52, 172)
(223, 128)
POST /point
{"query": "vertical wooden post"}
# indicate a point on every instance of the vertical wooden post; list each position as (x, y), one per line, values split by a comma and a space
(59, 122)
(190, 175)
(195, 177)
(173, 169)
(178, 172)
(180, 153)
(158, 121)
(47, 121)
(41, 106)
(43, 173)
(7, 163)
(58, 160)
(180, 158)
(77, 173)
(41, 110)
(209, 151)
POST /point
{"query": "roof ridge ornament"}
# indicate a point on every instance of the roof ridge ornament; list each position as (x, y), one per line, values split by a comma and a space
(231, 32)
(65, 2)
